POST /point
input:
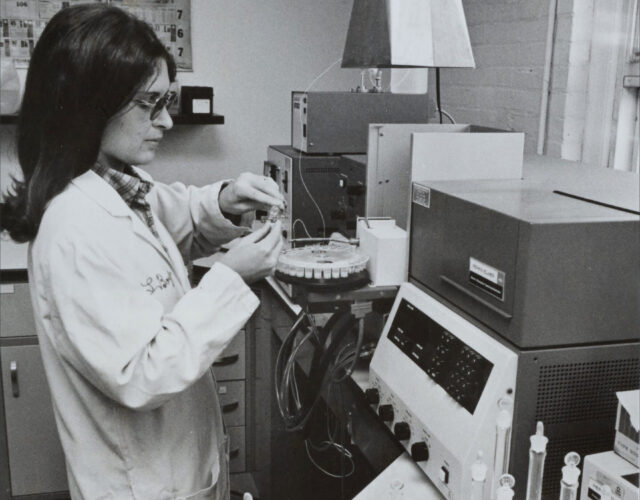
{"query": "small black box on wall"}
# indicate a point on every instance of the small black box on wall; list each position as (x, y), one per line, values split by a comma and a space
(196, 100)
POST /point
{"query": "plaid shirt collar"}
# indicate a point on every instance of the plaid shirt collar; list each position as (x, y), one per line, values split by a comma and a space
(128, 184)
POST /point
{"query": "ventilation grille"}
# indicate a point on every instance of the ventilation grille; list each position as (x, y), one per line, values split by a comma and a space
(322, 170)
(583, 391)
(559, 447)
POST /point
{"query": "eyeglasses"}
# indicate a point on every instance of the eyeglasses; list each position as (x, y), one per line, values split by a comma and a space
(155, 104)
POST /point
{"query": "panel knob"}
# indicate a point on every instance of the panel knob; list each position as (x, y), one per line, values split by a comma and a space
(402, 431)
(420, 451)
(373, 396)
(386, 413)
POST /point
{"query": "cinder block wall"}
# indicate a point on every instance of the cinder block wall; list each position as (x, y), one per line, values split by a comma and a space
(508, 38)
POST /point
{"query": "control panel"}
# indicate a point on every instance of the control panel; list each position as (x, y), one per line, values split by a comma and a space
(455, 366)
(435, 381)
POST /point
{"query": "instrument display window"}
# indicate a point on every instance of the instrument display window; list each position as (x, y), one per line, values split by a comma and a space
(456, 367)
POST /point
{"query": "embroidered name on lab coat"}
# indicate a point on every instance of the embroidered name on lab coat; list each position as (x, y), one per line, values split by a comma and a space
(159, 282)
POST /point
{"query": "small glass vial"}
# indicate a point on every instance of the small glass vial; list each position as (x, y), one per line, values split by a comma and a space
(570, 475)
(506, 482)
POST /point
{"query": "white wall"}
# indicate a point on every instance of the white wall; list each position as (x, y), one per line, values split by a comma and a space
(253, 53)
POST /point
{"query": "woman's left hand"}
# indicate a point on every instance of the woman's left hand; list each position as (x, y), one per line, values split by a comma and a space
(250, 192)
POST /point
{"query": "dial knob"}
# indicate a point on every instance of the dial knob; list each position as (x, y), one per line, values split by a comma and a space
(420, 451)
(402, 431)
(386, 413)
(373, 396)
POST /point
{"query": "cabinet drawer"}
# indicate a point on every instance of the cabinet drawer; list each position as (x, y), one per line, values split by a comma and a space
(237, 452)
(231, 396)
(230, 365)
(36, 460)
(16, 313)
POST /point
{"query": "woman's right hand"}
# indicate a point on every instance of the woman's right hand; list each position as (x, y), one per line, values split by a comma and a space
(255, 256)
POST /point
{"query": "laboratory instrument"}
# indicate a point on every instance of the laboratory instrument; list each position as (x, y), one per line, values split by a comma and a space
(570, 477)
(323, 194)
(550, 260)
(537, 454)
(553, 278)
(506, 482)
(609, 469)
(388, 249)
(338, 122)
(399, 153)
(327, 264)
(435, 380)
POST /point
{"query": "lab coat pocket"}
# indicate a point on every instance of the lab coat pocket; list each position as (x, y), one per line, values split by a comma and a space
(218, 489)
(208, 493)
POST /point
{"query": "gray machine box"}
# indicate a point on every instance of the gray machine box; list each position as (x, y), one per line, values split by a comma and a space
(338, 122)
(550, 260)
(318, 188)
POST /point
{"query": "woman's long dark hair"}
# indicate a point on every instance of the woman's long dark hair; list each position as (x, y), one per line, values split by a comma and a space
(86, 66)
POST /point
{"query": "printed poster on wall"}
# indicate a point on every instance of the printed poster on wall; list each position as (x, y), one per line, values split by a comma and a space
(24, 20)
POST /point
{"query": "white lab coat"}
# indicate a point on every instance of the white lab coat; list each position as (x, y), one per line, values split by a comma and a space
(127, 344)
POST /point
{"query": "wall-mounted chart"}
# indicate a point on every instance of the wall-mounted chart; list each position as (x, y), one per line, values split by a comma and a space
(24, 20)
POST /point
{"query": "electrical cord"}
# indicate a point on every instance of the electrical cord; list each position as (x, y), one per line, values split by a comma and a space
(304, 184)
(293, 228)
(443, 112)
(438, 104)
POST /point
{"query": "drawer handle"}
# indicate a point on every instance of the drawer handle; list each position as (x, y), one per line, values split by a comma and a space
(486, 304)
(227, 360)
(234, 453)
(229, 407)
(15, 389)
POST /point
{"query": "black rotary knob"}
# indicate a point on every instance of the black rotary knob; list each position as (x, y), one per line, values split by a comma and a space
(402, 431)
(420, 451)
(386, 413)
(373, 396)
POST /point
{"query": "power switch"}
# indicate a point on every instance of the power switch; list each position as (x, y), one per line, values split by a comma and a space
(443, 474)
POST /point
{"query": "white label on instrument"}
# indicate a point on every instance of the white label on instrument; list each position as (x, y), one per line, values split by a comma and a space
(421, 196)
(7, 289)
(488, 278)
(222, 389)
(200, 106)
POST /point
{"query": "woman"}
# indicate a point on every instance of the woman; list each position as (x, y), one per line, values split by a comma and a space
(127, 344)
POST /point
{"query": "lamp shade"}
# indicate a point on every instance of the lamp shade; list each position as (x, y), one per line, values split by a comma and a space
(407, 34)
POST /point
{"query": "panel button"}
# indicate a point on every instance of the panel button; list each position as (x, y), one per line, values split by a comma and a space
(386, 413)
(402, 431)
(420, 451)
(373, 396)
